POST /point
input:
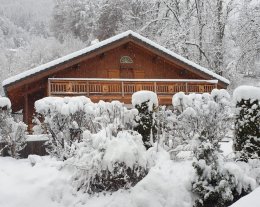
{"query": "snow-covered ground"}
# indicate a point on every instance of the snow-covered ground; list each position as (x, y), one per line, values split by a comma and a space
(45, 184)
(251, 200)
(43, 181)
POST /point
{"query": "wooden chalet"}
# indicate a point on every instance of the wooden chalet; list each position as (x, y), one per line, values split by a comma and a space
(111, 70)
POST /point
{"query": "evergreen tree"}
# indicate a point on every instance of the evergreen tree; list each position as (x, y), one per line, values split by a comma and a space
(247, 129)
(146, 124)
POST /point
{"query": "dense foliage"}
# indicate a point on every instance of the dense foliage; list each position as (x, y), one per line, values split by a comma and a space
(12, 132)
(247, 129)
(107, 163)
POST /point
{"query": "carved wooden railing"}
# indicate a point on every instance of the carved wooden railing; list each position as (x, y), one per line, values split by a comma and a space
(123, 87)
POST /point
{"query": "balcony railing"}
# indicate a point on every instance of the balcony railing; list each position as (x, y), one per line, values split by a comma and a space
(125, 87)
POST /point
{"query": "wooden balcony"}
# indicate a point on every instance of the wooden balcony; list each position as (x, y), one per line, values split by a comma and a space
(122, 89)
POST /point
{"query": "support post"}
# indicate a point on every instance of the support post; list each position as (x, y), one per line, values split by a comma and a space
(123, 90)
(186, 87)
(26, 109)
(87, 88)
(49, 88)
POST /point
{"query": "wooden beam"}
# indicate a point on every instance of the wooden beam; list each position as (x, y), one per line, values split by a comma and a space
(26, 110)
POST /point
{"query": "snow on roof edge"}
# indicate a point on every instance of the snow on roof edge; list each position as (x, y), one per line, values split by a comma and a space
(64, 59)
(179, 57)
(101, 44)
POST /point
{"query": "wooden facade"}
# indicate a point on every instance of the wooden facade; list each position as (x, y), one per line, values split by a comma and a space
(112, 71)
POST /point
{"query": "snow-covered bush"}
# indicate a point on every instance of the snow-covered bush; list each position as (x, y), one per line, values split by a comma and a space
(201, 116)
(247, 124)
(146, 102)
(64, 119)
(219, 184)
(114, 113)
(12, 133)
(105, 162)
(203, 121)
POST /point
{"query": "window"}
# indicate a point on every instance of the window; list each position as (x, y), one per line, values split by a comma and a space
(126, 60)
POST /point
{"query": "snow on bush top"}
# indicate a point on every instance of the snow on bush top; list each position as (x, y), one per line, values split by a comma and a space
(5, 102)
(125, 148)
(65, 106)
(102, 151)
(246, 93)
(182, 101)
(140, 97)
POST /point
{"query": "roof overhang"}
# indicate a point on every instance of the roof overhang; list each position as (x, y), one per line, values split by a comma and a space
(128, 36)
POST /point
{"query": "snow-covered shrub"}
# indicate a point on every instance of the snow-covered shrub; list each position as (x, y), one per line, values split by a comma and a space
(12, 133)
(200, 116)
(105, 162)
(203, 122)
(64, 119)
(247, 124)
(146, 102)
(219, 184)
(114, 113)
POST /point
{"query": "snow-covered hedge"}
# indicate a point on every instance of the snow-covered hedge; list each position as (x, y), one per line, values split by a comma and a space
(63, 119)
(221, 183)
(12, 133)
(247, 124)
(105, 162)
(197, 115)
(66, 118)
(202, 121)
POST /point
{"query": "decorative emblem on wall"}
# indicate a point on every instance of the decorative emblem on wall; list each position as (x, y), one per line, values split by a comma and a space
(126, 59)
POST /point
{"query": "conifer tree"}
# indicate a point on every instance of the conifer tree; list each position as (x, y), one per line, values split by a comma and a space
(247, 129)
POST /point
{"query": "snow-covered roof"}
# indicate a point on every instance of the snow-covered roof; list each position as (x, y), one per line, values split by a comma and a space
(93, 47)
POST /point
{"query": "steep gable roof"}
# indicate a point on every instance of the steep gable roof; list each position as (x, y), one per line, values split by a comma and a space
(131, 34)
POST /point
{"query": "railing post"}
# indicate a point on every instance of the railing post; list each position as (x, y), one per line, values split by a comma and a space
(123, 90)
(49, 87)
(87, 88)
(186, 87)
(155, 89)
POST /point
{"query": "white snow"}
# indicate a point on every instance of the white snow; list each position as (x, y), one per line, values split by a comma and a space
(251, 200)
(5, 102)
(38, 181)
(24, 185)
(140, 97)
(65, 106)
(33, 138)
(138, 80)
(102, 44)
(179, 99)
(227, 148)
(246, 92)
(125, 148)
